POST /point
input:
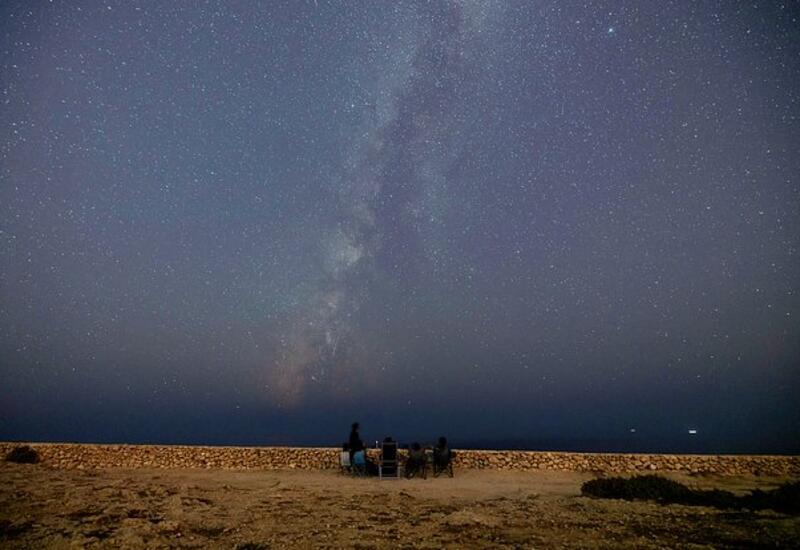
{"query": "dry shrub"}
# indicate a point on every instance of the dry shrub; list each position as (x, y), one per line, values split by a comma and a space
(23, 455)
(785, 498)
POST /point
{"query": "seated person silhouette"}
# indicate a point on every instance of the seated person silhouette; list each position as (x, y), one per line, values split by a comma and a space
(442, 457)
(417, 461)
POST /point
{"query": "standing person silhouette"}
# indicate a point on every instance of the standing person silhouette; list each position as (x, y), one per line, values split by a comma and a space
(354, 442)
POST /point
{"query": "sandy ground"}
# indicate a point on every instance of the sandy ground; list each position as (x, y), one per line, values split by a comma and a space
(41, 507)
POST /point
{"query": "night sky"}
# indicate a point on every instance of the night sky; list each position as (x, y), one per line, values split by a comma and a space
(553, 224)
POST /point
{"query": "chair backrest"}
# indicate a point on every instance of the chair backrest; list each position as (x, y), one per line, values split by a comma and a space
(344, 459)
(389, 451)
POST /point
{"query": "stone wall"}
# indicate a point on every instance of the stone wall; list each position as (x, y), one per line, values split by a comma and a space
(87, 456)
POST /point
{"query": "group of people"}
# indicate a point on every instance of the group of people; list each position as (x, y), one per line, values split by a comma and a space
(417, 457)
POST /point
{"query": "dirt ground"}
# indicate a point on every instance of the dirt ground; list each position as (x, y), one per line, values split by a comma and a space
(46, 508)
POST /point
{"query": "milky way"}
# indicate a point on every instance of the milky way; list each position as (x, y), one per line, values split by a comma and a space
(394, 177)
(540, 222)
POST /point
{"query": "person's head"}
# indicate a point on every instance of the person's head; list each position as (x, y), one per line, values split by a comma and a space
(354, 427)
(443, 441)
(387, 439)
(415, 446)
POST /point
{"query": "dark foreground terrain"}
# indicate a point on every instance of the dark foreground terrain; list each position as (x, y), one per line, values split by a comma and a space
(46, 508)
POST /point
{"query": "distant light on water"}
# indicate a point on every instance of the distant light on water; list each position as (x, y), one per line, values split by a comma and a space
(692, 432)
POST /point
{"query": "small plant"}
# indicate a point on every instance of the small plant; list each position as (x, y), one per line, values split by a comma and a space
(23, 455)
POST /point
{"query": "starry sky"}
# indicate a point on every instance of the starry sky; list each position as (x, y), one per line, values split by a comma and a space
(552, 224)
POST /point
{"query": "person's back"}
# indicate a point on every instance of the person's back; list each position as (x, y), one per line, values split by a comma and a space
(442, 458)
(416, 453)
(416, 460)
(441, 453)
(354, 442)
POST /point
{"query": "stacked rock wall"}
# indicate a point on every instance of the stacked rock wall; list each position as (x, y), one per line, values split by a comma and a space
(88, 456)
(621, 463)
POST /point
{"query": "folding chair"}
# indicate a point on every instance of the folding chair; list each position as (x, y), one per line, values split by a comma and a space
(344, 462)
(359, 466)
(388, 466)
